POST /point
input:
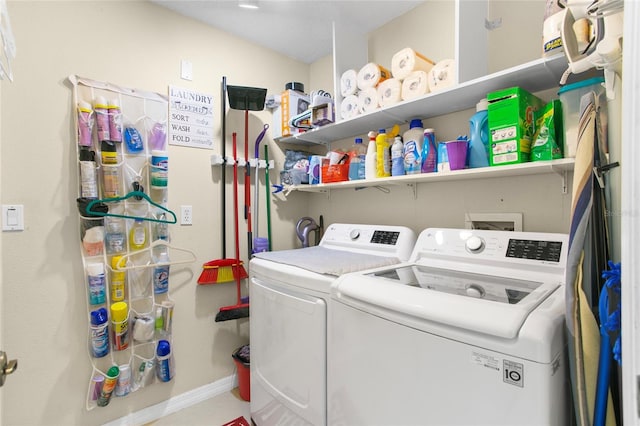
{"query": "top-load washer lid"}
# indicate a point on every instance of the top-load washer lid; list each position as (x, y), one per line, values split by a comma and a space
(481, 281)
(479, 303)
(496, 289)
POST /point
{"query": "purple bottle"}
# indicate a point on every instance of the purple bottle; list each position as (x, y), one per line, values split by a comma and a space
(102, 118)
(429, 152)
(85, 123)
(115, 121)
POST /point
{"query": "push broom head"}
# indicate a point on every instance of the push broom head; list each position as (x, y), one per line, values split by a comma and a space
(222, 271)
(227, 313)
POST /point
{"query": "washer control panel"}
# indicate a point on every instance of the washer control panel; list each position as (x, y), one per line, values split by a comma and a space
(499, 246)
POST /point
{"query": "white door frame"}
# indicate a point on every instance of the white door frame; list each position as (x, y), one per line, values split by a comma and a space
(630, 214)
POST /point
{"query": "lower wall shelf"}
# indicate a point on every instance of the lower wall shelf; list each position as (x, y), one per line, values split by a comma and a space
(561, 167)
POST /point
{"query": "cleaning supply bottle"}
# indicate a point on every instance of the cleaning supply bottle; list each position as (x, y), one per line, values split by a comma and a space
(88, 173)
(115, 121)
(115, 235)
(138, 235)
(412, 152)
(397, 160)
(479, 136)
(383, 157)
(99, 333)
(120, 324)
(164, 358)
(429, 152)
(370, 157)
(357, 159)
(101, 109)
(160, 277)
(96, 282)
(118, 279)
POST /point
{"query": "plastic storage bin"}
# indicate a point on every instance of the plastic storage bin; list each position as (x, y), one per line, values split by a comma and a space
(570, 96)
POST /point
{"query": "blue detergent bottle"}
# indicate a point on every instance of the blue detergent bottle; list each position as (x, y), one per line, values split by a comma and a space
(478, 155)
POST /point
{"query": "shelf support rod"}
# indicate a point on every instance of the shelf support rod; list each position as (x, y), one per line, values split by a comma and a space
(563, 175)
(414, 186)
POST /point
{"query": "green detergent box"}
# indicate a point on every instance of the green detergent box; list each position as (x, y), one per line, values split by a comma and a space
(511, 125)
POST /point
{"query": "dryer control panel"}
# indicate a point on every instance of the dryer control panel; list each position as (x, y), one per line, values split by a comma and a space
(381, 240)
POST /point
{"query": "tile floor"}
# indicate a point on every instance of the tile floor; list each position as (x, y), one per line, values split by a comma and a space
(212, 412)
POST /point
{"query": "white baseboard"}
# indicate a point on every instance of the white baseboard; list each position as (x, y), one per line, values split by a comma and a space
(177, 403)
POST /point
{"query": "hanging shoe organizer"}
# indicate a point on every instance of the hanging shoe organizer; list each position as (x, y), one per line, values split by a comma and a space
(125, 239)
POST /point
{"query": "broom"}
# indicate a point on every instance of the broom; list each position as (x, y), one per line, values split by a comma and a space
(225, 270)
(239, 310)
(222, 270)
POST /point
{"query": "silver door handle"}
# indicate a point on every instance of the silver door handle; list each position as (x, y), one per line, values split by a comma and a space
(6, 366)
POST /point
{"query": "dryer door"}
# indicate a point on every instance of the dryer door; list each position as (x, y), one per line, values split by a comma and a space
(288, 355)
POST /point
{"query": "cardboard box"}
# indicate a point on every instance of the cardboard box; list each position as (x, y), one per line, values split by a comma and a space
(511, 125)
(292, 103)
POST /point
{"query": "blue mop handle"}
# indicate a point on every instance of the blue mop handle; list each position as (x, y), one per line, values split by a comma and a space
(604, 363)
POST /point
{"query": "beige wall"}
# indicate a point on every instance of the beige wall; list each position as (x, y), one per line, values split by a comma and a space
(138, 45)
(43, 309)
(429, 29)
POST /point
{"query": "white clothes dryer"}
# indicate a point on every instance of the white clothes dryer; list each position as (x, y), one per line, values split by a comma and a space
(289, 293)
(469, 332)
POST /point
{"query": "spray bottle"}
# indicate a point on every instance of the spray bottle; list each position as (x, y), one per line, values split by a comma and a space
(370, 157)
(383, 157)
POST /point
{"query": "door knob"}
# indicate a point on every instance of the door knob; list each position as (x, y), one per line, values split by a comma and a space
(6, 366)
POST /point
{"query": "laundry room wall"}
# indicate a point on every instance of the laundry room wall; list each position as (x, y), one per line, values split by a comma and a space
(429, 29)
(138, 45)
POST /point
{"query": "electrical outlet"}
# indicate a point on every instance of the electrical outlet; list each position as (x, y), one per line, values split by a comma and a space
(186, 215)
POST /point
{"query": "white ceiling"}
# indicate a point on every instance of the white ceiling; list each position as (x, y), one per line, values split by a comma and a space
(300, 29)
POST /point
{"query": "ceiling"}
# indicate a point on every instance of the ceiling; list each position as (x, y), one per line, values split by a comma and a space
(300, 29)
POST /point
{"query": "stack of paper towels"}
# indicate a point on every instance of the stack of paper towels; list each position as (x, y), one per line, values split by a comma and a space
(412, 75)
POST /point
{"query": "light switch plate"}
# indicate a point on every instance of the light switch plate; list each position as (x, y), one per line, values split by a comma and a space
(12, 217)
(186, 70)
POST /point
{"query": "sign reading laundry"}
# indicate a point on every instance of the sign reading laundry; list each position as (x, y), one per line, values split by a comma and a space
(190, 118)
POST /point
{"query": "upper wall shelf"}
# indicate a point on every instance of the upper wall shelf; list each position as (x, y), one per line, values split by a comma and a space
(533, 76)
(560, 167)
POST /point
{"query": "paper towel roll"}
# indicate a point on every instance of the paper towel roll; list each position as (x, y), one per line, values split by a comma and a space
(415, 85)
(442, 75)
(368, 100)
(389, 92)
(349, 107)
(408, 60)
(349, 83)
(371, 75)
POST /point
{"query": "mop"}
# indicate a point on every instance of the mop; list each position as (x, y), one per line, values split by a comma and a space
(239, 310)
(258, 242)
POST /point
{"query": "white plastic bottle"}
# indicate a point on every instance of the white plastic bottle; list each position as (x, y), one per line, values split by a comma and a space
(160, 277)
(412, 152)
(397, 160)
(370, 157)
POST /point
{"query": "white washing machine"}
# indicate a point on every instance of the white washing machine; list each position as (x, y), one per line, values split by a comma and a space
(470, 331)
(289, 293)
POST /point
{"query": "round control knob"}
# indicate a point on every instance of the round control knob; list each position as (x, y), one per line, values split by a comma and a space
(475, 291)
(354, 234)
(474, 244)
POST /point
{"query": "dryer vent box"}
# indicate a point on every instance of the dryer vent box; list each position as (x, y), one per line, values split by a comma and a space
(494, 221)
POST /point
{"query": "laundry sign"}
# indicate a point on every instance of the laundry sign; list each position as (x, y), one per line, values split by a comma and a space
(190, 118)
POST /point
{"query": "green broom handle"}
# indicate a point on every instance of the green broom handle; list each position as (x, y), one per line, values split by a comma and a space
(267, 186)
